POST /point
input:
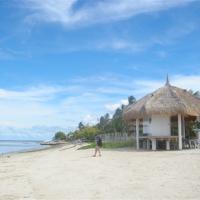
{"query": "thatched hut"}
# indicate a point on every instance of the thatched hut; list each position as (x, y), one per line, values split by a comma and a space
(163, 117)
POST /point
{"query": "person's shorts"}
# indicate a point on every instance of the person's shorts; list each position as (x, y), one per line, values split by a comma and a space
(99, 144)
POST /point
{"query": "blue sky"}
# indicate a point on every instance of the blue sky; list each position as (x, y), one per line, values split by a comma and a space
(65, 61)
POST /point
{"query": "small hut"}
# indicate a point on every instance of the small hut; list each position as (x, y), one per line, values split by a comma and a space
(163, 118)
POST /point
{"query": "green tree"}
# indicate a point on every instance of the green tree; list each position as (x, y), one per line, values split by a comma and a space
(123, 107)
(197, 125)
(106, 117)
(104, 123)
(88, 133)
(117, 121)
(118, 113)
(131, 100)
(197, 94)
(81, 126)
(60, 136)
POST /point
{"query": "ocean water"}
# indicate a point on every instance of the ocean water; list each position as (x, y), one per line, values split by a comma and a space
(9, 146)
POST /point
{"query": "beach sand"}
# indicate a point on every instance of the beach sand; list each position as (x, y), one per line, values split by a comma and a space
(66, 173)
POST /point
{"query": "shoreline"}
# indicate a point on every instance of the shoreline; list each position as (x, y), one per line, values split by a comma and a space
(46, 147)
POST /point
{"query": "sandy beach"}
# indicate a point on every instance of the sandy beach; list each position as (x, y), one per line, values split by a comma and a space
(68, 173)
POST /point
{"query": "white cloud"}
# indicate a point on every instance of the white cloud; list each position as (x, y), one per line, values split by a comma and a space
(33, 133)
(175, 32)
(71, 15)
(4, 55)
(38, 93)
(187, 82)
(119, 44)
(29, 94)
(35, 106)
(124, 101)
(90, 119)
(9, 54)
(64, 11)
(113, 106)
(183, 81)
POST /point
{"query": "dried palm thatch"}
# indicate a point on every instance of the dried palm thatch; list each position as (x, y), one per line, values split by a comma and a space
(168, 100)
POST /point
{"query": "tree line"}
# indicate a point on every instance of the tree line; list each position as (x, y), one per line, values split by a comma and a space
(106, 124)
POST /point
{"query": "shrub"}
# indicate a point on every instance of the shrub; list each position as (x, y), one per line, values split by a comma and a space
(60, 136)
(87, 133)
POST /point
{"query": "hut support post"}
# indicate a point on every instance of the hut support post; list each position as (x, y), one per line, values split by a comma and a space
(137, 134)
(179, 132)
(167, 145)
(183, 126)
(154, 144)
(148, 144)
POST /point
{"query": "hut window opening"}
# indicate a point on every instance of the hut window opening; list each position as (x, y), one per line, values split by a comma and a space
(141, 127)
(174, 125)
(146, 126)
(161, 145)
(149, 120)
(189, 127)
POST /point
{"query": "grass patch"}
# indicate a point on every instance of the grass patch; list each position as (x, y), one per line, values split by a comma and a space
(111, 145)
(89, 146)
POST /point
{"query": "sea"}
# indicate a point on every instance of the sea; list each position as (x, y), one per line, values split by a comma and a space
(10, 146)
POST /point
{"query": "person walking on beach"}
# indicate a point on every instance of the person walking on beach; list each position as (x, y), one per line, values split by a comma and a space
(98, 145)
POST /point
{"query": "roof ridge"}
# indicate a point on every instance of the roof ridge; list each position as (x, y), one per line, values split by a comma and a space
(167, 81)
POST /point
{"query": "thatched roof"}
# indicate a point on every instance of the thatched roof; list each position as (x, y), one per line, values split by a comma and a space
(169, 100)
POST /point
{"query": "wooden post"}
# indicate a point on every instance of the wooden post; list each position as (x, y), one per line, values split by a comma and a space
(179, 132)
(148, 144)
(167, 145)
(183, 126)
(153, 144)
(137, 134)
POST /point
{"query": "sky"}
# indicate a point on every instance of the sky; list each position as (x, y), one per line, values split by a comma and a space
(66, 61)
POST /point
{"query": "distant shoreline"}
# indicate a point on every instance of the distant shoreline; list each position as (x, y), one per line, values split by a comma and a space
(32, 150)
(21, 140)
(27, 150)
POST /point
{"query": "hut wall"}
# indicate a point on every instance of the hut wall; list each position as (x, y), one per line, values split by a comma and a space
(160, 125)
(146, 125)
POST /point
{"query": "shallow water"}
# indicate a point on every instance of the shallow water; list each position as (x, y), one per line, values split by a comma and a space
(8, 146)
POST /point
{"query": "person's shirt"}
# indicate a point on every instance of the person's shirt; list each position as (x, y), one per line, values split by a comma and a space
(98, 140)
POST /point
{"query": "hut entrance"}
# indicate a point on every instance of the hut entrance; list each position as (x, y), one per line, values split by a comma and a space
(189, 127)
(161, 145)
(174, 125)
